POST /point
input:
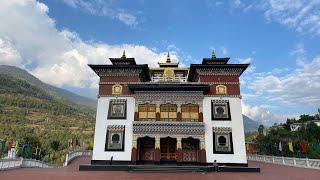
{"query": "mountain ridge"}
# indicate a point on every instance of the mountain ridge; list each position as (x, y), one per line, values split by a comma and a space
(56, 92)
(249, 124)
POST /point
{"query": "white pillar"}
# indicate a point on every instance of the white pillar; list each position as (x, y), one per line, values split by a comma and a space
(21, 161)
(308, 165)
(66, 162)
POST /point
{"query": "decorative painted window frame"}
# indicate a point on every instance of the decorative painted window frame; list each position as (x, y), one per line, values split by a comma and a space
(226, 132)
(121, 103)
(111, 130)
(225, 103)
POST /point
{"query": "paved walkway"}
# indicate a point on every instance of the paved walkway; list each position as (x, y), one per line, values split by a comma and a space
(268, 171)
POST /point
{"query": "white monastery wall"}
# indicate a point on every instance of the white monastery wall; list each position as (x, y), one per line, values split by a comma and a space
(102, 122)
(236, 125)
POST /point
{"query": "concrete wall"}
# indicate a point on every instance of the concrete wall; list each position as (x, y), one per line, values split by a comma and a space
(236, 124)
(102, 122)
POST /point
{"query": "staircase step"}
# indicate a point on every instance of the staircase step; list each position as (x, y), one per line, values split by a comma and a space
(168, 170)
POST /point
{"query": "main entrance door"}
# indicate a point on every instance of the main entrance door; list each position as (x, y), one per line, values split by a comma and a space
(168, 148)
(146, 149)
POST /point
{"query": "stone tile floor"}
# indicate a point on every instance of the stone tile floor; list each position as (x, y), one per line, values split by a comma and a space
(268, 171)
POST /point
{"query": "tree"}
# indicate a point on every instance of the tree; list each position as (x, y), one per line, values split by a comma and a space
(261, 129)
(55, 145)
(288, 122)
(305, 117)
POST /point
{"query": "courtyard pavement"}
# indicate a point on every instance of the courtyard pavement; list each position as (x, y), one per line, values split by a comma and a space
(71, 172)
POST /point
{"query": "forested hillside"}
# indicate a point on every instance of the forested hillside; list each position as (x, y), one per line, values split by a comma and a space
(30, 115)
(57, 93)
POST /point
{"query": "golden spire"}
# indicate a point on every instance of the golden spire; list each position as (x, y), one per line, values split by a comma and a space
(124, 55)
(168, 58)
(213, 55)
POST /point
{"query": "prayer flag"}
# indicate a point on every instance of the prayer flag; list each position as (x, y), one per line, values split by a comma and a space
(290, 146)
(71, 143)
(303, 146)
(10, 145)
(24, 146)
(77, 142)
(270, 148)
(262, 148)
(29, 148)
(3, 145)
(318, 147)
(280, 146)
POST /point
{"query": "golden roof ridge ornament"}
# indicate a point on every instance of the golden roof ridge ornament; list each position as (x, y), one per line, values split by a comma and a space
(124, 55)
(168, 58)
(213, 55)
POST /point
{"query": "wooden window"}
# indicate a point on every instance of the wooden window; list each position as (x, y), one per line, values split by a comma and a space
(168, 112)
(147, 112)
(190, 112)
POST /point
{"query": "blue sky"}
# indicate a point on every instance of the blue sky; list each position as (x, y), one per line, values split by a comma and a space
(55, 39)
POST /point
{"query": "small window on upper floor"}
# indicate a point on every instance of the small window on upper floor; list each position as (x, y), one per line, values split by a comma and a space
(220, 110)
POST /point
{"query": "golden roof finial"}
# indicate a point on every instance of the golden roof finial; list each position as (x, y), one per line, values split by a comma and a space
(213, 55)
(168, 58)
(124, 55)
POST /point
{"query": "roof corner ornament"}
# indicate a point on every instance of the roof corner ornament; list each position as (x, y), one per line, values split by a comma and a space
(168, 58)
(213, 55)
(123, 55)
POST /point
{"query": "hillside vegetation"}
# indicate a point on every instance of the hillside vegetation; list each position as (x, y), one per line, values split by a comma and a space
(308, 134)
(29, 114)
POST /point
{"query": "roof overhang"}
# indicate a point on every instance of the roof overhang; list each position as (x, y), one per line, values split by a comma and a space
(98, 67)
(194, 67)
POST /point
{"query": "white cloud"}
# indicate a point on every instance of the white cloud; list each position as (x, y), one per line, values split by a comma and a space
(261, 114)
(29, 36)
(301, 15)
(298, 87)
(104, 8)
(244, 60)
(299, 50)
(9, 55)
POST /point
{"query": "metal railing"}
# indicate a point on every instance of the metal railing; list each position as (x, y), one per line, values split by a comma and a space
(6, 164)
(71, 155)
(298, 162)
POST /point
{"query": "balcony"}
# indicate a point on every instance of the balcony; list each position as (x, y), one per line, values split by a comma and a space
(160, 127)
(166, 79)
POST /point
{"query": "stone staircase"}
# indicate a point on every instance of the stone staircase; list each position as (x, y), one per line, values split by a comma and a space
(170, 169)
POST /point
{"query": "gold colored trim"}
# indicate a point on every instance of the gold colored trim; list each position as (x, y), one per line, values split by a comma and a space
(116, 89)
